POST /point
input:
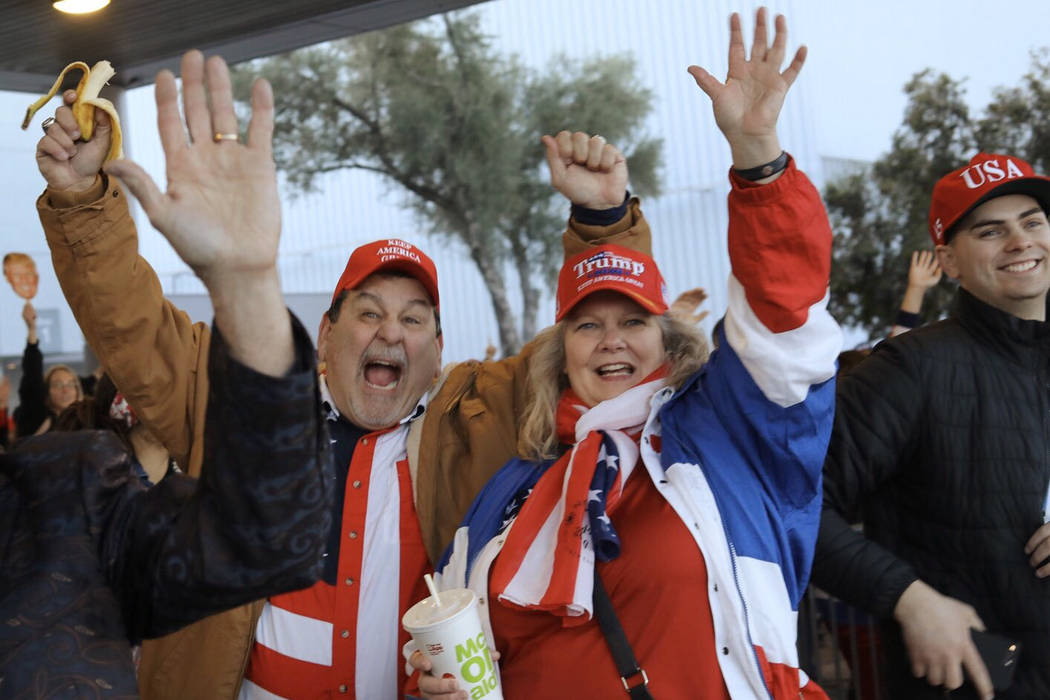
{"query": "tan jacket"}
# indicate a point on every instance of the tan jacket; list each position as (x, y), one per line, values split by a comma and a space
(158, 359)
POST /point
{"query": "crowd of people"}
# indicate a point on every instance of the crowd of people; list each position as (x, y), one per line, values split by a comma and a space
(258, 515)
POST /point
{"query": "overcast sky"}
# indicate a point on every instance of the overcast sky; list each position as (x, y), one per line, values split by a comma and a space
(862, 52)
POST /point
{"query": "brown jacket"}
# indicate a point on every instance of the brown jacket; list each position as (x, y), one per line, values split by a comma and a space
(158, 359)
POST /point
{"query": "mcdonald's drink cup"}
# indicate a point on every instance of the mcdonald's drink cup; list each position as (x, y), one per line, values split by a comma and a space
(450, 635)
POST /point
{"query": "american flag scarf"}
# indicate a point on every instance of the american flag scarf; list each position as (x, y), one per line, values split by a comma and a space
(547, 560)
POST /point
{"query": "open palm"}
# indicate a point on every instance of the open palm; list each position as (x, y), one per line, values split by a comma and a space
(748, 104)
(924, 271)
(221, 209)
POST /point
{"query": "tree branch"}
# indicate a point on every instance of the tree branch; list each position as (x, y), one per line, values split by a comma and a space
(389, 168)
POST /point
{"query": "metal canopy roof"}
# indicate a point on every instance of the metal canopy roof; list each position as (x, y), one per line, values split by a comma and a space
(139, 37)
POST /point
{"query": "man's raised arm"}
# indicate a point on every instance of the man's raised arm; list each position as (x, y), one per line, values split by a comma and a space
(151, 349)
(221, 212)
(257, 521)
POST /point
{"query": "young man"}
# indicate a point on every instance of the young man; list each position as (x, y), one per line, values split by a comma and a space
(941, 448)
(380, 346)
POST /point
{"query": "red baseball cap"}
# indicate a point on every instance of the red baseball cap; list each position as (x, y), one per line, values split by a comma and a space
(614, 268)
(988, 175)
(389, 254)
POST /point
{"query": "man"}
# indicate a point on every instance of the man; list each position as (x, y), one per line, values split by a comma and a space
(90, 559)
(20, 272)
(941, 448)
(380, 347)
(380, 343)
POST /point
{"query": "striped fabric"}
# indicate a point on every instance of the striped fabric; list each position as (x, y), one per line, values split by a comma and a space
(343, 640)
(292, 654)
(294, 628)
(548, 562)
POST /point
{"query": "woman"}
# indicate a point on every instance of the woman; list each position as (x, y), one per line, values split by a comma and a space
(42, 396)
(109, 410)
(689, 489)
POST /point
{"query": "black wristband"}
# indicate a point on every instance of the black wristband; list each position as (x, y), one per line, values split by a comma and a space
(771, 168)
(600, 217)
(906, 319)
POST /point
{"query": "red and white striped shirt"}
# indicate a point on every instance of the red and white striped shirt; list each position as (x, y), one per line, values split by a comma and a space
(344, 640)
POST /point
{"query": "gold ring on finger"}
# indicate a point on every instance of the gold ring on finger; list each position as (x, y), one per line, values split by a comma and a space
(225, 137)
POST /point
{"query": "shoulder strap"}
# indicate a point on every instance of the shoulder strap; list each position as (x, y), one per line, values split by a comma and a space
(621, 650)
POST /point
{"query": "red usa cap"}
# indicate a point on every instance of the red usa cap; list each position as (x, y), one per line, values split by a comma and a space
(614, 268)
(389, 254)
(988, 175)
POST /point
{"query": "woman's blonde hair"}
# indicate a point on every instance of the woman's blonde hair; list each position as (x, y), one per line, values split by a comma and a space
(686, 352)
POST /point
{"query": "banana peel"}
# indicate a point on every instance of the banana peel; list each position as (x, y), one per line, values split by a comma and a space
(92, 82)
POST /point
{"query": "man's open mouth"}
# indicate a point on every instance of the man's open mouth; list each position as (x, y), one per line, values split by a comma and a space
(382, 374)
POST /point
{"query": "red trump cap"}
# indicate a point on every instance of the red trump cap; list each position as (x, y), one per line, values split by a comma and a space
(389, 254)
(613, 268)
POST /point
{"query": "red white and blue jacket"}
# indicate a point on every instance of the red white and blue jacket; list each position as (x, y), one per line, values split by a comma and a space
(742, 443)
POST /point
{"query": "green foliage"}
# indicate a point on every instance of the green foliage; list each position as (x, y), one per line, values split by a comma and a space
(433, 107)
(880, 215)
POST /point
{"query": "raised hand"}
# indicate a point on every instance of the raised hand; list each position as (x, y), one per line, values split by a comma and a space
(748, 104)
(221, 212)
(29, 315)
(65, 161)
(685, 306)
(924, 271)
(587, 170)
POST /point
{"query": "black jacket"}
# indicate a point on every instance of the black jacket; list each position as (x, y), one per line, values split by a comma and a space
(91, 561)
(32, 407)
(941, 447)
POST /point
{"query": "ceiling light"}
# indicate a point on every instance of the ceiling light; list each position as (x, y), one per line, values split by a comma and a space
(79, 7)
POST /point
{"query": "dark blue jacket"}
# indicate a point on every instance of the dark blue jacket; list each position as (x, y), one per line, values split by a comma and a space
(92, 562)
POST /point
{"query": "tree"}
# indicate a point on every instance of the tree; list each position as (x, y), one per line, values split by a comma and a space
(1018, 119)
(880, 214)
(433, 107)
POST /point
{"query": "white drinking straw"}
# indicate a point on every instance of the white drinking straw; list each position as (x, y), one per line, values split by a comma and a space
(433, 589)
